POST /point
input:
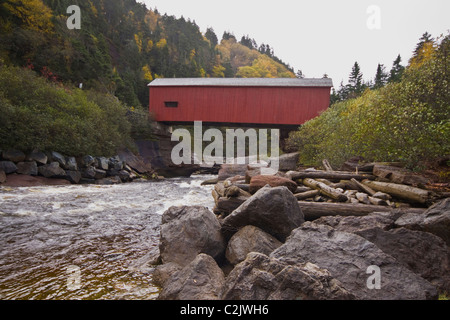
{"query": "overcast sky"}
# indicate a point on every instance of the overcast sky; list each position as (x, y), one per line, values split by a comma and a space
(322, 36)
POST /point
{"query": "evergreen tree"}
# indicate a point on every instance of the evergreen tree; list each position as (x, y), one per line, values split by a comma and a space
(421, 45)
(356, 85)
(380, 77)
(211, 36)
(395, 75)
(300, 74)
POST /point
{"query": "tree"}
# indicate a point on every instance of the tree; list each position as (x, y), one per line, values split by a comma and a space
(249, 43)
(422, 47)
(300, 74)
(211, 36)
(356, 85)
(380, 77)
(395, 75)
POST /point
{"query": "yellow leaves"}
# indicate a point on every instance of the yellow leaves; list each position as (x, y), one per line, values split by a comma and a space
(161, 43)
(138, 40)
(192, 54)
(147, 73)
(426, 53)
(33, 13)
(151, 19)
(93, 8)
(264, 67)
(149, 46)
(218, 72)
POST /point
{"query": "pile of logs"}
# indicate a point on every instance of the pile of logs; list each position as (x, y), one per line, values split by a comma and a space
(374, 187)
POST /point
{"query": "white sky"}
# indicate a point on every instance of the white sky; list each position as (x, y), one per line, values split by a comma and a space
(321, 36)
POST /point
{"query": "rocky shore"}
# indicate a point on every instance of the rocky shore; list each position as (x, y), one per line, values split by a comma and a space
(263, 243)
(21, 169)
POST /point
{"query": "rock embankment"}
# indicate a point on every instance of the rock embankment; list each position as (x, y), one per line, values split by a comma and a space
(27, 169)
(263, 243)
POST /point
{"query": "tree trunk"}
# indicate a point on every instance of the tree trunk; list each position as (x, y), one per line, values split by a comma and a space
(307, 194)
(330, 175)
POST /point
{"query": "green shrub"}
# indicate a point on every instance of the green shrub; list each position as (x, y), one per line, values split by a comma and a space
(35, 113)
(407, 121)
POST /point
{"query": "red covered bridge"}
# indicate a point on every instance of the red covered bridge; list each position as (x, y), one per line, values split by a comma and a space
(280, 102)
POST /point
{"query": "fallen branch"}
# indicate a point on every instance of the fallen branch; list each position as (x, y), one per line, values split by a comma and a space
(400, 191)
(330, 175)
(306, 195)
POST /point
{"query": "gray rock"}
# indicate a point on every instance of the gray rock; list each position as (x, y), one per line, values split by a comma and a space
(73, 176)
(262, 278)
(52, 170)
(38, 156)
(202, 279)
(288, 161)
(57, 157)
(108, 181)
(13, 155)
(115, 163)
(163, 272)
(435, 219)
(274, 210)
(71, 164)
(249, 239)
(88, 173)
(348, 257)
(8, 167)
(354, 224)
(99, 173)
(124, 175)
(188, 231)
(29, 168)
(421, 252)
(102, 163)
(87, 161)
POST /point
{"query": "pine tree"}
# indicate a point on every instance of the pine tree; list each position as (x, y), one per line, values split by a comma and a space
(380, 77)
(425, 40)
(395, 75)
(211, 36)
(356, 85)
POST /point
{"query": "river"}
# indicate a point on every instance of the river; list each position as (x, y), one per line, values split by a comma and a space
(87, 241)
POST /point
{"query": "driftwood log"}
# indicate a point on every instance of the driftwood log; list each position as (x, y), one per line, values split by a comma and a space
(325, 189)
(314, 210)
(306, 194)
(401, 191)
(330, 175)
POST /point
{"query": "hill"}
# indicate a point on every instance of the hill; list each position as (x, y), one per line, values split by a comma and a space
(122, 46)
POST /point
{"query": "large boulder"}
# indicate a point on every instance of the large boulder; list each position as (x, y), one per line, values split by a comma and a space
(421, 252)
(71, 164)
(29, 168)
(13, 155)
(262, 278)
(249, 239)
(52, 170)
(351, 259)
(287, 161)
(8, 167)
(202, 279)
(187, 231)
(230, 170)
(38, 156)
(274, 210)
(57, 157)
(435, 219)
(257, 182)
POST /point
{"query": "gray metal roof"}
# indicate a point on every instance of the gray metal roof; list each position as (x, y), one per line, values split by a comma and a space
(240, 82)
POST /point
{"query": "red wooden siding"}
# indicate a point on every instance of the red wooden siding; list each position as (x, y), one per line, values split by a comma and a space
(251, 105)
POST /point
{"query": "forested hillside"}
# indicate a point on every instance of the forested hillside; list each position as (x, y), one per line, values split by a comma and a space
(122, 45)
(406, 120)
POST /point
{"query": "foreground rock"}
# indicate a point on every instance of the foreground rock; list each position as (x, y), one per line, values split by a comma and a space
(435, 219)
(347, 257)
(249, 239)
(262, 278)
(188, 231)
(274, 210)
(202, 279)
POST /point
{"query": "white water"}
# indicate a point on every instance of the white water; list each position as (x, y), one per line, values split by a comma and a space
(103, 232)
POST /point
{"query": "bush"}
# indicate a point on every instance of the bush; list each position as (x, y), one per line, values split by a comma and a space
(406, 121)
(35, 113)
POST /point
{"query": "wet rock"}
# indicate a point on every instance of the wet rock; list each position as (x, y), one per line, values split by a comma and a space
(347, 257)
(259, 277)
(249, 239)
(8, 167)
(274, 210)
(108, 181)
(257, 182)
(52, 170)
(13, 155)
(29, 168)
(124, 175)
(73, 176)
(187, 231)
(435, 219)
(135, 162)
(163, 272)
(202, 279)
